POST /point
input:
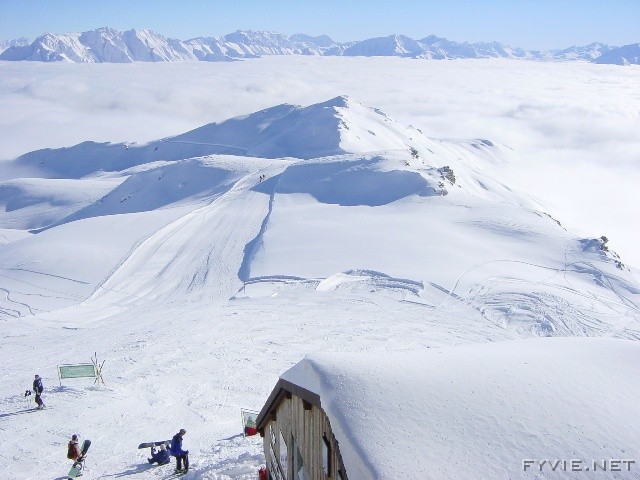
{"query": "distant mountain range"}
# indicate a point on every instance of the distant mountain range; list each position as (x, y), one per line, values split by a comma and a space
(18, 42)
(626, 55)
(106, 45)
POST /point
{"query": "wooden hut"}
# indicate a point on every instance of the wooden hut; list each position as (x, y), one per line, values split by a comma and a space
(298, 441)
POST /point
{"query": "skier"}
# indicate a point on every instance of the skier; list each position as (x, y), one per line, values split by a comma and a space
(38, 389)
(161, 456)
(176, 451)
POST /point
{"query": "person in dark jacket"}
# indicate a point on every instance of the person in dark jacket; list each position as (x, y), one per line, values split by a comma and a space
(160, 456)
(38, 388)
(177, 451)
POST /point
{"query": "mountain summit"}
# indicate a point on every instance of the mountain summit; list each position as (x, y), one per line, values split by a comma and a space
(337, 126)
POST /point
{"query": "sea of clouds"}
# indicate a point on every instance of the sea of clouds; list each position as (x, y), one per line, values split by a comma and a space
(574, 127)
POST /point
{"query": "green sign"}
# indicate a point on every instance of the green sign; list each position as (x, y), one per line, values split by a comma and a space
(77, 371)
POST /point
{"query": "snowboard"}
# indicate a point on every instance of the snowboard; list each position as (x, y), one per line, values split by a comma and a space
(76, 468)
(155, 444)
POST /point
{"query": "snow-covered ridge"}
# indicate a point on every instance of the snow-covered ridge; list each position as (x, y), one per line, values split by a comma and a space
(109, 45)
(327, 196)
(338, 126)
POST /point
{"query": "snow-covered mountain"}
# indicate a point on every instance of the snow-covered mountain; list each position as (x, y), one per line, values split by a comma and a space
(626, 55)
(589, 52)
(18, 42)
(108, 45)
(393, 45)
(214, 260)
(339, 160)
(441, 48)
(101, 45)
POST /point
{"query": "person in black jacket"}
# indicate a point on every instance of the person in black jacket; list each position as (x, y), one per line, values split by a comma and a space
(38, 389)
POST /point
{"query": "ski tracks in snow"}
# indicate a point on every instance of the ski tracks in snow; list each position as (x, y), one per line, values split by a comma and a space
(208, 243)
(532, 306)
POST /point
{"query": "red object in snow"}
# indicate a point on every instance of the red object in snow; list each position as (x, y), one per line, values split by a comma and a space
(248, 431)
(262, 473)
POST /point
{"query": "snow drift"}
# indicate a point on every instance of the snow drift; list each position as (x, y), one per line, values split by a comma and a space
(481, 410)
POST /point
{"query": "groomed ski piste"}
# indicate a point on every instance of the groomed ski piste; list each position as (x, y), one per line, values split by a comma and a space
(203, 266)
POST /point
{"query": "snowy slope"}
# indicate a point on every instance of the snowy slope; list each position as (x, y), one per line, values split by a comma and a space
(204, 265)
(31, 203)
(368, 195)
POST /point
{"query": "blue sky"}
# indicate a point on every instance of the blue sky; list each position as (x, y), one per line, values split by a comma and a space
(532, 24)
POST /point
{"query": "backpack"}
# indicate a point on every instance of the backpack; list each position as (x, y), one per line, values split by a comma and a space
(71, 451)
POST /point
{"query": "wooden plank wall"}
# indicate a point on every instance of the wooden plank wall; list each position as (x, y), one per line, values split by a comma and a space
(307, 427)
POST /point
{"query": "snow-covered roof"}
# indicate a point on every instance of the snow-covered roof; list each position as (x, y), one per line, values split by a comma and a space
(479, 411)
